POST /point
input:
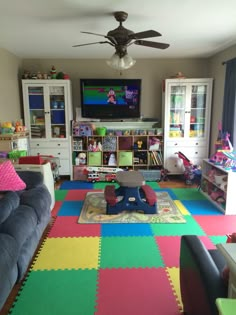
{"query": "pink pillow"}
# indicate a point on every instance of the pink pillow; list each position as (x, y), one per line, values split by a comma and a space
(9, 179)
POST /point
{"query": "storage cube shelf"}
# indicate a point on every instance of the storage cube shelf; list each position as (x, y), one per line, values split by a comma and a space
(130, 151)
(220, 193)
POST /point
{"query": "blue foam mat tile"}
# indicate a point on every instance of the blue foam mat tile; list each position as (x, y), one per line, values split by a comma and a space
(201, 207)
(76, 185)
(70, 208)
(126, 229)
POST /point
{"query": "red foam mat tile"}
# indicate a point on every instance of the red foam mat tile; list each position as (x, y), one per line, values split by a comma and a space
(56, 208)
(217, 225)
(135, 292)
(69, 227)
(78, 194)
(169, 247)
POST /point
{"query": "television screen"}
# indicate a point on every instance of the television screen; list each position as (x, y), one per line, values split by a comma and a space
(110, 98)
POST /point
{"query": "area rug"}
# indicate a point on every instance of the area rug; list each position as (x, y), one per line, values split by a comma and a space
(94, 211)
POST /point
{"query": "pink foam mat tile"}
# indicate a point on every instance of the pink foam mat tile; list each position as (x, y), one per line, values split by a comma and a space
(78, 194)
(169, 247)
(217, 225)
(69, 227)
(56, 208)
(207, 242)
(135, 292)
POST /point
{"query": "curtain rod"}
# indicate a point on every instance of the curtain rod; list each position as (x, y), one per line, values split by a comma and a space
(224, 62)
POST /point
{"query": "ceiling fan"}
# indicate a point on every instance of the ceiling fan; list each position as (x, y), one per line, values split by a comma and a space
(120, 38)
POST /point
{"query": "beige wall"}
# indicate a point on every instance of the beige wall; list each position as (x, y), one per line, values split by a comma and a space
(217, 71)
(10, 109)
(152, 72)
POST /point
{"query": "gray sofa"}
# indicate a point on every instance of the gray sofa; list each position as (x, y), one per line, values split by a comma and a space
(24, 216)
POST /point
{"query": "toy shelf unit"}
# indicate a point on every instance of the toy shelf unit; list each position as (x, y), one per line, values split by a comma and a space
(48, 113)
(186, 110)
(13, 146)
(218, 185)
(126, 149)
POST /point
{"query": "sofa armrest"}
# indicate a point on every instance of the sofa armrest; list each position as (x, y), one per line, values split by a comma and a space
(200, 279)
(31, 179)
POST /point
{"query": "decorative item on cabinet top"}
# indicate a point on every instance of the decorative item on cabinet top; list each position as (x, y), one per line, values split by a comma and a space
(89, 129)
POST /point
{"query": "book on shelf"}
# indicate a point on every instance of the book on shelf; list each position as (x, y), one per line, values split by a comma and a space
(156, 158)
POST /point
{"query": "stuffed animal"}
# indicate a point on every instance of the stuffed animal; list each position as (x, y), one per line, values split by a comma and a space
(81, 159)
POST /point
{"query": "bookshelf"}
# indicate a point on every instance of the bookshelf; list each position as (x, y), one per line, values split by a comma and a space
(129, 149)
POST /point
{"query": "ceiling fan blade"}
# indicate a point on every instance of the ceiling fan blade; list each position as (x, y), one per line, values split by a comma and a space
(145, 34)
(92, 33)
(105, 36)
(151, 44)
(105, 42)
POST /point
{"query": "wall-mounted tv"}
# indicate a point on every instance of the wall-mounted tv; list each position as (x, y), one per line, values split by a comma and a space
(110, 98)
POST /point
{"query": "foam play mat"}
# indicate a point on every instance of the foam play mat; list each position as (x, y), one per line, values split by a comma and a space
(114, 269)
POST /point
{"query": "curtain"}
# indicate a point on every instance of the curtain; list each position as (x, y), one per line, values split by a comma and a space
(229, 105)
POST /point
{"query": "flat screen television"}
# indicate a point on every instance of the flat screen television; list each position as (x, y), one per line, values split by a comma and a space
(110, 98)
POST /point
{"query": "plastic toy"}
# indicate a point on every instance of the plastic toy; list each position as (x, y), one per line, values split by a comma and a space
(144, 197)
(53, 73)
(154, 143)
(192, 172)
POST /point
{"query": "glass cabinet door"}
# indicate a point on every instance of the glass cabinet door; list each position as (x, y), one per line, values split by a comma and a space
(57, 112)
(177, 111)
(198, 111)
(37, 111)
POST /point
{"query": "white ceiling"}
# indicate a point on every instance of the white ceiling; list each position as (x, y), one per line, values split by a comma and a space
(49, 28)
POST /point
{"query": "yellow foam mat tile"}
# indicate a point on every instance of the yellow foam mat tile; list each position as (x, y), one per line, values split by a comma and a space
(181, 207)
(173, 275)
(68, 253)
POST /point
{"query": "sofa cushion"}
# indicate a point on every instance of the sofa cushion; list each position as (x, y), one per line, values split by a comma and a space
(8, 202)
(9, 179)
(39, 199)
(20, 224)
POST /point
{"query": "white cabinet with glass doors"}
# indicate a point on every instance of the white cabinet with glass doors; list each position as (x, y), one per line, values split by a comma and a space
(187, 110)
(48, 115)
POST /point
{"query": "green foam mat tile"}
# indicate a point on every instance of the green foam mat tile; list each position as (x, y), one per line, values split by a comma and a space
(154, 185)
(178, 229)
(130, 252)
(102, 185)
(188, 194)
(60, 194)
(71, 292)
(216, 239)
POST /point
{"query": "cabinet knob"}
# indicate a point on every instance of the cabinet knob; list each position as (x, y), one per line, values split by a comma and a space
(176, 143)
(37, 144)
(196, 143)
(58, 144)
(196, 152)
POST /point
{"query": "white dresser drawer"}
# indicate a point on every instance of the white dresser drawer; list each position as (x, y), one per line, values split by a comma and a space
(61, 153)
(48, 144)
(192, 143)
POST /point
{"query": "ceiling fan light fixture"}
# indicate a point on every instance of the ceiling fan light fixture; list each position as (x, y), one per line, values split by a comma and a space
(121, 63)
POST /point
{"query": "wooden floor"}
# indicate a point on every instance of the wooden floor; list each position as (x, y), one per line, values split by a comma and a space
(172, 182)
